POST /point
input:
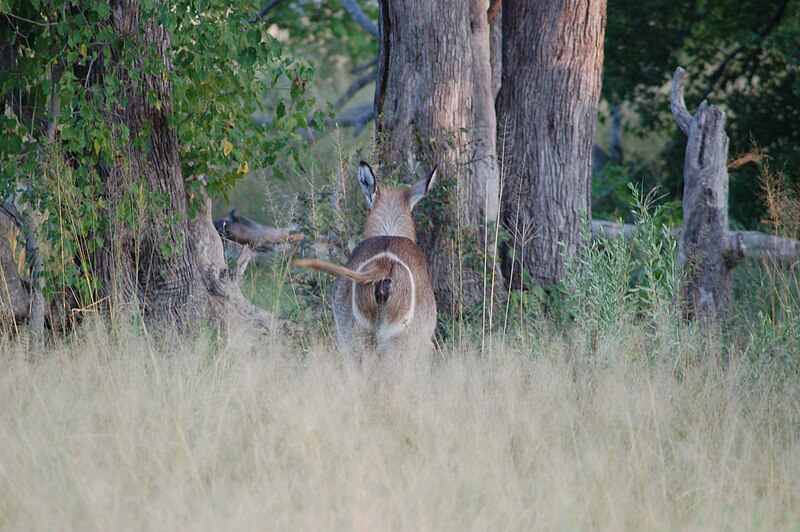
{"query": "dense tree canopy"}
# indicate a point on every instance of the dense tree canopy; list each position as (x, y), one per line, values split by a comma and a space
(84, 87)
(744, 56)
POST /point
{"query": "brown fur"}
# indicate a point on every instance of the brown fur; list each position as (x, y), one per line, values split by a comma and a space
(391, 215)
(403, 320)
(417, 336)
(377, 272)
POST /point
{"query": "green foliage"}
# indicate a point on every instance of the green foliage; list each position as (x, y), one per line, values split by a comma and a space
(742, 56)
(612, 280)
(222, 66)
(326, 29)
(610, 193)
(64, 88)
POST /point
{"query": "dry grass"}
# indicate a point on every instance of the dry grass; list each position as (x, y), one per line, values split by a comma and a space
(117, 431)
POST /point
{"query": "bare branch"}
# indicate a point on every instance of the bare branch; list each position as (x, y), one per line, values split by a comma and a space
(54, 102)
(604, 228)
(358, 15)
(677, 103)
(354, 88)
(264, 10)
(716, 75)
(242, 262)
(366, 66)
(652, 159)
(358, 116)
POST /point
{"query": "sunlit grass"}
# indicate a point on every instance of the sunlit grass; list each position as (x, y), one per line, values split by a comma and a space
(117, 430)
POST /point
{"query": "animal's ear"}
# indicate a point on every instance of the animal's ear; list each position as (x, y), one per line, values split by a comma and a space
(420, 189)
(369, 185)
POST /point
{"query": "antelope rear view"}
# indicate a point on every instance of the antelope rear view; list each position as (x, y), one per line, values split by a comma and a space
(382, 298)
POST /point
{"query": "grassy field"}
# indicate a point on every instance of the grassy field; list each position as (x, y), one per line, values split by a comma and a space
(114, 430)
(604, 412)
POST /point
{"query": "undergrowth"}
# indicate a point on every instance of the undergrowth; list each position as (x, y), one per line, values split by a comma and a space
(591, 406)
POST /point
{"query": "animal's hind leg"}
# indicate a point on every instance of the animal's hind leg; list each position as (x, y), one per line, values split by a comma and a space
(354, 345)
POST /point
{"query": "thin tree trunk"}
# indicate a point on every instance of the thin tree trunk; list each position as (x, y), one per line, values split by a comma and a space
(435, 106)
(552, 66)
(614, 145)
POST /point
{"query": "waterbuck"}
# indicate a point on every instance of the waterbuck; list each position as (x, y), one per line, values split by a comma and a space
(382, 299)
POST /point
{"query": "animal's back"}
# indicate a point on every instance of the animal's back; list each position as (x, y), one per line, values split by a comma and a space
(406, 319)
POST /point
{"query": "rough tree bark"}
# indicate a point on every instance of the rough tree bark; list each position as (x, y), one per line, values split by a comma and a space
(14, 299)
(495, 15)
(705, 251)
(172, 267)
(552, 72)
(434, 105)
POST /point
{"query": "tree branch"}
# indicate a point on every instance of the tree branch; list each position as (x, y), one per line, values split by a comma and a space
(357, 116)
(677, 103)
(264, 10)
(716, 75)
(653, 158)
(354, 88)
(361, 68)
(358, 15)
(751, 244)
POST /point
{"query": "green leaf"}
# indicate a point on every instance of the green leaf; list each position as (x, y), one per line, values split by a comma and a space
(254, 36)
(247, 58)
(103, 10)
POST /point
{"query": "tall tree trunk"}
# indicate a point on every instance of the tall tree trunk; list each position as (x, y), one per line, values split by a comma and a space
(552, 67)
(172, 267)
(435, 106)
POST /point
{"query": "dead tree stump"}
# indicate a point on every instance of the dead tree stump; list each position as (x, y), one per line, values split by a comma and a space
(705, 251)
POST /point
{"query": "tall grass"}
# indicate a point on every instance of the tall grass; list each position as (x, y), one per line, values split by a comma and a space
(606, 414)
(113, 429)
(783, 275)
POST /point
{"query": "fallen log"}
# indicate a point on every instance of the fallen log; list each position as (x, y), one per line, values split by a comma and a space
(243, 230)
(755, 245)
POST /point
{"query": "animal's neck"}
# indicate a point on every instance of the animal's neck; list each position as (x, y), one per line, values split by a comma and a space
(390, 220)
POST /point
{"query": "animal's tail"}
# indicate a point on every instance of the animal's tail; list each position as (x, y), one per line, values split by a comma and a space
(377, 271)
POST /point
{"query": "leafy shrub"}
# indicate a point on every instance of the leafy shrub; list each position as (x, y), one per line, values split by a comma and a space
(612, 279)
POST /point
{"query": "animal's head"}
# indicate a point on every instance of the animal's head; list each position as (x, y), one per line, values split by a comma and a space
(390, 209)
